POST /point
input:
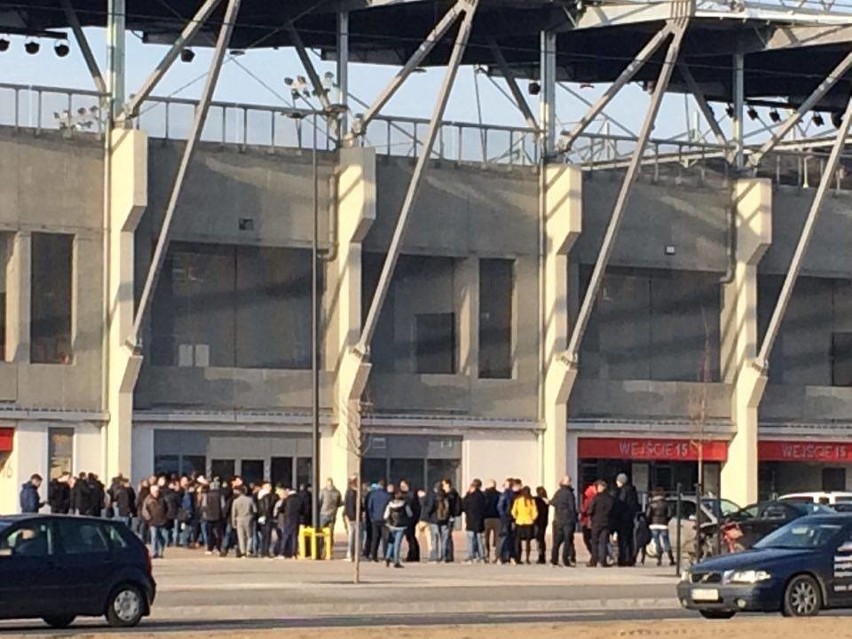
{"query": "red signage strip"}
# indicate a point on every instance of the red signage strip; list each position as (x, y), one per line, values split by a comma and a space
(7, 439)
(650, 449)
(804, 451)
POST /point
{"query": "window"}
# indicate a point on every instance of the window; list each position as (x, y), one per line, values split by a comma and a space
(167, 464)
(233, 306)
(82, 537)
(304, 471)
(188, 465)
(6, 240)
(116, 539)
(841, 359)
(282, 471)
(435, 343)
(50, 323)
(28, 540)
(496, 287)
(224, 469)
(60, 451)
(833, 479)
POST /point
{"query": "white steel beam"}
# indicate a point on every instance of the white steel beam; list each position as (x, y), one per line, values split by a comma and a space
(411, 195)
(825, 182)
(201, 111)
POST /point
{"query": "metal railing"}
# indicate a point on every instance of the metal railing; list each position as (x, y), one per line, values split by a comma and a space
(80, 112)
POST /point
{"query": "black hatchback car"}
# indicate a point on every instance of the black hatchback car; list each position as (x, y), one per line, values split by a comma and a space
(800, 569)
(57, 568)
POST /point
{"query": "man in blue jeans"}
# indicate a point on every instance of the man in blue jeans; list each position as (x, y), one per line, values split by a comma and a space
(154, 514)
(473, 507)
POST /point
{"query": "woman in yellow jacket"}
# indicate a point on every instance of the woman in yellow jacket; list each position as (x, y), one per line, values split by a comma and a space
(524, 512)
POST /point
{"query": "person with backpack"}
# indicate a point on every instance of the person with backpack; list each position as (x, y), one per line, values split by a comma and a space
(397, 515)
(376, 505)
(439, 522)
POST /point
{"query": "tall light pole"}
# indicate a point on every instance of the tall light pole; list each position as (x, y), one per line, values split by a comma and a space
(315, 434)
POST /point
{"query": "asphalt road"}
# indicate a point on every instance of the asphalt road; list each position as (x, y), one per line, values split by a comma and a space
(202, 593)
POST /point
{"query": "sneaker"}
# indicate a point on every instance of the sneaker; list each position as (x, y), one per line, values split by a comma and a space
(398, 566)
(209, 552)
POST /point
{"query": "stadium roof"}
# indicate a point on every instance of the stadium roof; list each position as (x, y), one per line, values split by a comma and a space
(788, 51)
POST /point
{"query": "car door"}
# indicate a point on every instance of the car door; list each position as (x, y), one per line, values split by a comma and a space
(842, 571)
(86, 556)
(27, 569)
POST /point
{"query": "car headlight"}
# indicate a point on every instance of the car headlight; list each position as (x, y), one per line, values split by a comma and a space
(746, 576)
(685, 575)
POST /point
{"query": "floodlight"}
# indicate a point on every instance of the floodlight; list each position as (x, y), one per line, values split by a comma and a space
(32, 47)
(62, 49)
(187, 55)
(752, 113)
(775, 116)
(818, 119)
(534, 88)
(4, 44)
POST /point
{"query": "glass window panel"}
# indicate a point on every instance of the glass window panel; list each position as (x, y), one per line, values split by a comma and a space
(50, 304)
(410, 469)
(282, 471)
(251, 471)
(60, 451)
(496, 284)
(166, 464)
(224, 469)
(304, 474)
(435, 343)
(82, 537)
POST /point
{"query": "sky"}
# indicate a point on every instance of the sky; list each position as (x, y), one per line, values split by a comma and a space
(258, 78)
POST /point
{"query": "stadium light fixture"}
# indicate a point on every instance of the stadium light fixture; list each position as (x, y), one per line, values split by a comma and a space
(818, 120)
(62, 49)
(775, 116)
(729, 111)
(837, 119)
(187, 55)
(32, 47)
(752, 113)
(4, 45)
(534, 88)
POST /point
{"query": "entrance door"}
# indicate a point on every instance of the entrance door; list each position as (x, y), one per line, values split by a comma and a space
(251, 471)
(281, 471)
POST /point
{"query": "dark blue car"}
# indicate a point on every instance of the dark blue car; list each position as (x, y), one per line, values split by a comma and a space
(57, 568)
(800, 569)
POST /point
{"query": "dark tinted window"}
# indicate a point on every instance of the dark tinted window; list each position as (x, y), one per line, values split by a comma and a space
(82, 537)
(115, 537)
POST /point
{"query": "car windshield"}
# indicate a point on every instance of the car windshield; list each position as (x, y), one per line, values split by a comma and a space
(725, 505)
(801, 535)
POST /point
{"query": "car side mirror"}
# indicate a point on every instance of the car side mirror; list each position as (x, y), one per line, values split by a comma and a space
(846, 548)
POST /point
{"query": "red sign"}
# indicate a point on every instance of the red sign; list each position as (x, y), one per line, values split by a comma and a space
(650, 449)
(804, 451)
(7, 438)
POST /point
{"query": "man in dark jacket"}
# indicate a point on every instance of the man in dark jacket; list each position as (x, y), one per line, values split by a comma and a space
(29, 498)
(80, 495)
(629, 508)
(455, 506)
(123, 501)
(173, 496)
(473, 507)
(290, 517)
(155, 514)
(266, 499)
(213, 512)
(492, 520)
(564, 504)
(350, 518)
(413, 504)
(59, 494)
(377, 502)
(600, 512)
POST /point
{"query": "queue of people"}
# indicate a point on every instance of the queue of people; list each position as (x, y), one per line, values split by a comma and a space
(259, 520)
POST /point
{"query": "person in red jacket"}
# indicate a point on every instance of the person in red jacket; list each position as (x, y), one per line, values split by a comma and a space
(585, 521)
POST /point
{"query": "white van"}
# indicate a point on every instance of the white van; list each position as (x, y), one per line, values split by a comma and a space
(839, 501)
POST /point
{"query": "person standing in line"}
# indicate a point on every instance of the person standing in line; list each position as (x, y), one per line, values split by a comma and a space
(265, 518)
(397, 514)
(141, 528)
(524, 513)
(629, 508)
(123, 501)
(492, 521)
(507, 533)
(600, 516)
(659, 515)
(350, 518)
(454, 503)
(541, 521)
(564, 523)
(154, 514)
(330, 501)
(423, 529)
(243, 511)
(585, 522)
(30, 501)
(413, 503)
(213, 512)
(291, 520)
(59, 494)
(378, 503)
(473, 507)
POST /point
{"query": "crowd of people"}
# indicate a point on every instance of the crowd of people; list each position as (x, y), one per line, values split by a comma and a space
(259, 520)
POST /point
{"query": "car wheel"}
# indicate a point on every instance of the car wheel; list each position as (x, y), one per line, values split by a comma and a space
(126, 607)
(717, 614)
(802, 597)
(59, 621)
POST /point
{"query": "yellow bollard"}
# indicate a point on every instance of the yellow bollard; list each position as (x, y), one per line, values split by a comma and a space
(307, 533)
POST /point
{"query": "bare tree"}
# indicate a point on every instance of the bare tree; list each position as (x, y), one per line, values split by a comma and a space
(357, 443)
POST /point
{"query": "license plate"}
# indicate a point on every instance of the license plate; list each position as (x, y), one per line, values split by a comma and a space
(705, 594)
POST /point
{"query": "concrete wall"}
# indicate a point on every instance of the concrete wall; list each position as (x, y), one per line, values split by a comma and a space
(51, 184)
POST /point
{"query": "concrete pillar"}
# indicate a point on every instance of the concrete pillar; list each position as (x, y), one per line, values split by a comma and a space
(752, 206)
(356, 213)
(19, 297)
(128, 193)
(563, 204)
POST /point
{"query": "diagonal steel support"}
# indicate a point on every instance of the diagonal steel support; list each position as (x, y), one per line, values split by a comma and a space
(195, 135)
(389, 265)
(572, 354)
(819, 93)
(195, 24)
(828, 177)
(309, 67)
(517, 94)
(705, 109)
(85, 49)
(359, 126)
(626, 76)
